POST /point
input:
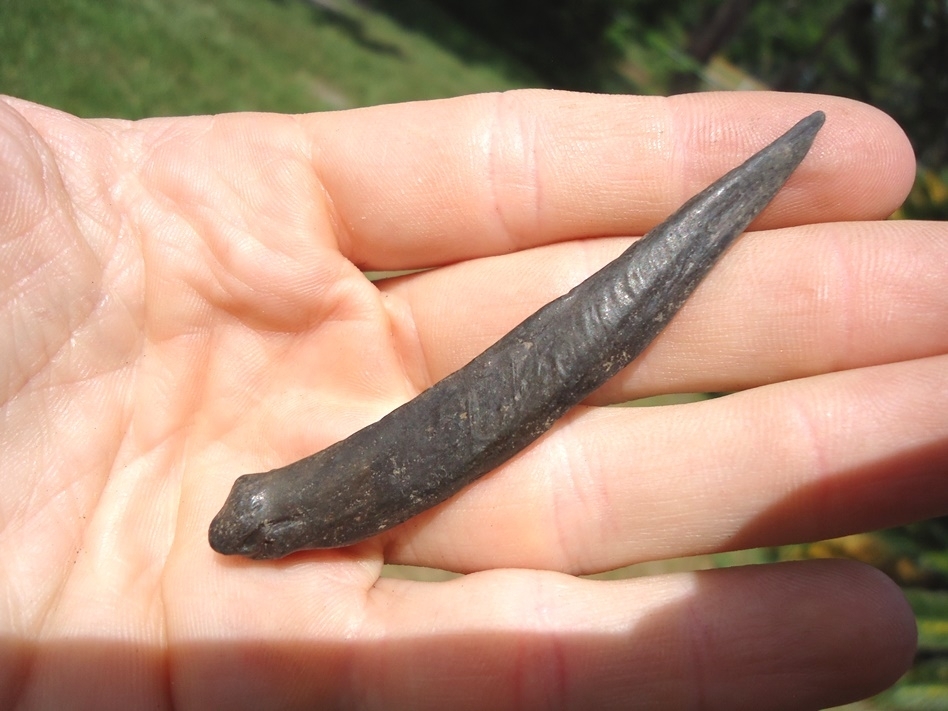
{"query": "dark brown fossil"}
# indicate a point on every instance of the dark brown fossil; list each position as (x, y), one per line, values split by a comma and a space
(478, 417)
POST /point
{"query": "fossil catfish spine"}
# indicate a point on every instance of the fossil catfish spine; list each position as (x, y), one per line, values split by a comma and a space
(479, 416)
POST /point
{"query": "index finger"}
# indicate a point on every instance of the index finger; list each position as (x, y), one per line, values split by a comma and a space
(424, 184)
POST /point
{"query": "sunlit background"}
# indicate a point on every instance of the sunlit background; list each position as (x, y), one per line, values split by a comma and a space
(139, 58)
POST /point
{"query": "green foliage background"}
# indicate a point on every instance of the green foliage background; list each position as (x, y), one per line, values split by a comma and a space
(137, 58)
(889, 53)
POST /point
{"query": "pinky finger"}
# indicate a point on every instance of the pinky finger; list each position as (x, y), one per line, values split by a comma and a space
(789, 636)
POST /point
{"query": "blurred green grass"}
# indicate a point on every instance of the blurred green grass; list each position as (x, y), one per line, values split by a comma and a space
(137, 58)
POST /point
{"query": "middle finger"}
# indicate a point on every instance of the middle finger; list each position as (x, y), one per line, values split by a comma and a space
(781, 304)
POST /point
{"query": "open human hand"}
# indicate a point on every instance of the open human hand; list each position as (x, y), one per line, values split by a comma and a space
(184, 302)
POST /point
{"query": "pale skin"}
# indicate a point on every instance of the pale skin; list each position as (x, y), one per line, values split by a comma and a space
(183, 302)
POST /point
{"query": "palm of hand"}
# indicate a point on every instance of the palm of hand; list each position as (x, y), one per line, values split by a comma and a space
(184, 304)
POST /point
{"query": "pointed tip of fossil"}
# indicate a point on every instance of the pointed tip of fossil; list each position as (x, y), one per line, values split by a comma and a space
(810, 125)
(815, 119)
(725, 208)
(803, 132)
(771, 166)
